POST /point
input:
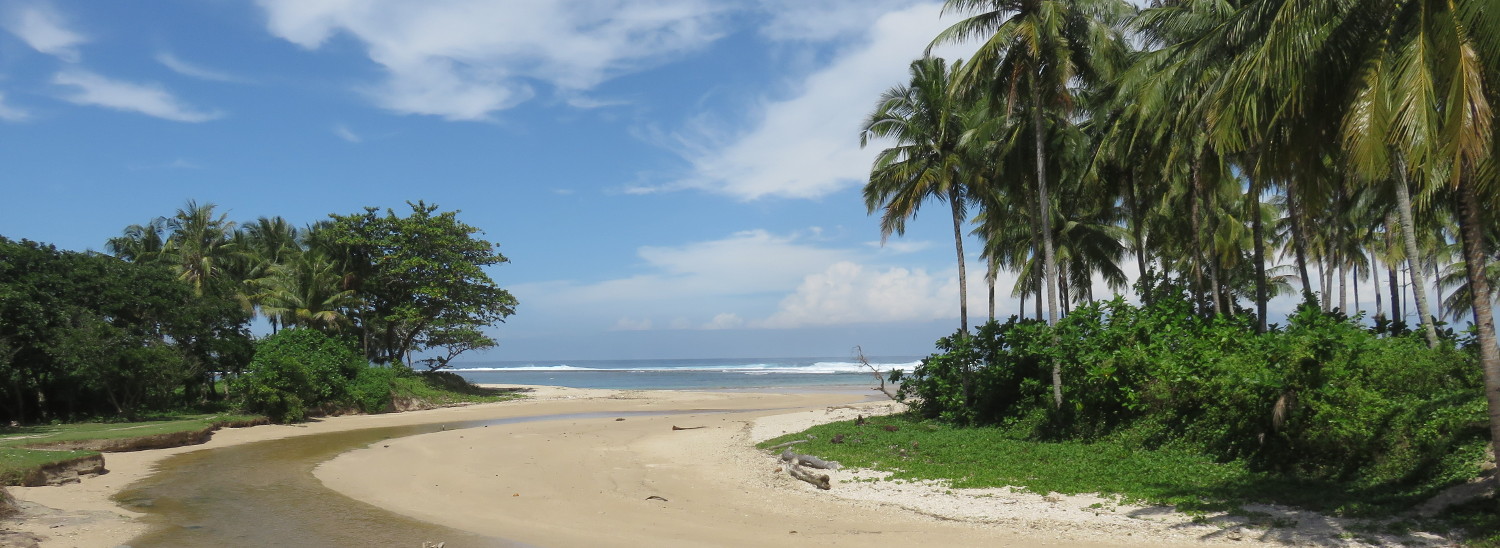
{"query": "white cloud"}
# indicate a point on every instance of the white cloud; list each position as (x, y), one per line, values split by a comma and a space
(851, 293)
(823, 20)
(194, 70)
(901, 246)
(44, 30)
(727, 320)
(807, 146)
(343, 132)
(10, 113)
(148, 99)
(464, 59)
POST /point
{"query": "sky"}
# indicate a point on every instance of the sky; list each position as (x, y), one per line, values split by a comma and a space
(669, 178)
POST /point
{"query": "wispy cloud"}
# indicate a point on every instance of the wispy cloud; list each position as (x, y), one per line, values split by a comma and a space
(194, 70)
(44, 29)
(10, 113)
(465, 59)
(343, 132)
(92, 89)
(900, 246)
(807, 145)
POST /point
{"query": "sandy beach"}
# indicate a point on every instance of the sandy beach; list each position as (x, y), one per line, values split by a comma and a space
(588, 480)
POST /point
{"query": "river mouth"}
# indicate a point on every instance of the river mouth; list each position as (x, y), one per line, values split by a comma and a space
(264, 494)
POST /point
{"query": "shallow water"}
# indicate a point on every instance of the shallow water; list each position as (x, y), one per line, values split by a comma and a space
(264, 494)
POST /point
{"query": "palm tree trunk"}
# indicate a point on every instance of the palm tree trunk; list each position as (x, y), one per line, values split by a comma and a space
(1258, 232)
(1409, 239)
(1299, 243)
(1391, 277)
(1136, 220)
(1375, 281)
(956, 200)
(1471, 232)
(1044, 218)
(1196, 236)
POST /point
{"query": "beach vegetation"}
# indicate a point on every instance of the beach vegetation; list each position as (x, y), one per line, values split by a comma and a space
(1237, 151)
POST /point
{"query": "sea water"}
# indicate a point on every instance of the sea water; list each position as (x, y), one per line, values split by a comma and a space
(689, 374)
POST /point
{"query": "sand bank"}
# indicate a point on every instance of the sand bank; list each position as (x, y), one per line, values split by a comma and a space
(588, 482)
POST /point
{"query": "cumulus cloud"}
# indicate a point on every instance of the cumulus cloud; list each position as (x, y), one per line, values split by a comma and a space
(820, 21)
(88, 88)
(464, 59)
(193, 70)
(852, 293)
(807, 146)
(45, 30)
(10, 113)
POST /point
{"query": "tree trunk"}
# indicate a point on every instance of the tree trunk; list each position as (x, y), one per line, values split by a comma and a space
(1375, 283)
(1391, 278)
(1258, 232)
(1044, 218)
(989, 279)
(1299, 243)
(1196, 232)
(955, 199)
(1471, 232)
(1409, 239)
(1136, 220)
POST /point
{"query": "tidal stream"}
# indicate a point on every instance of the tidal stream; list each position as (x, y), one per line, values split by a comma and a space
(264, 494)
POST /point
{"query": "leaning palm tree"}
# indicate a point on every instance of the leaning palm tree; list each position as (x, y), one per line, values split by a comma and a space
(928, 123)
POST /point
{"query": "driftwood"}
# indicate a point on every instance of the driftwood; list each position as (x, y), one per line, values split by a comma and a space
(889, 393)
(787, 444)
(675, 427)
(818, 480)
(809, 460)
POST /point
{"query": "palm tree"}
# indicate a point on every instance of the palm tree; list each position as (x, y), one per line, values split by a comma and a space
(928, 123)
(1040, 46)
(141, 243)
(200, 244)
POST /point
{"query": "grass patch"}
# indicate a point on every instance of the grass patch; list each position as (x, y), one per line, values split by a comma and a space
(1118, 466)
(16, 463)
(51, 433)
(444, 388)
(16, 460)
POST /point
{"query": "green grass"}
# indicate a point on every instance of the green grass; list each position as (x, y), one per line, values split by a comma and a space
(16, 463)
(52, 433)
(444, 388)
(996, 457)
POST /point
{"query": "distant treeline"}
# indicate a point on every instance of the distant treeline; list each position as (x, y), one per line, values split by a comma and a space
(157, 323)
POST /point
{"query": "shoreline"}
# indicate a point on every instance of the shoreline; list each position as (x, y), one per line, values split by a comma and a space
(586, 479)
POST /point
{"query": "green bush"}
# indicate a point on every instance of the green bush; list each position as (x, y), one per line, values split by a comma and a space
(296, 370)
(1323, 398)
(371, 388)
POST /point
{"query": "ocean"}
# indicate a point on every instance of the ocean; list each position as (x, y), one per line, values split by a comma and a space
(683, 374)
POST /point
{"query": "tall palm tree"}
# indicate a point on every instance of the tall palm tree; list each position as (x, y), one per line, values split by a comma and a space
(140, 243)
(928, 123)
(1041, 47)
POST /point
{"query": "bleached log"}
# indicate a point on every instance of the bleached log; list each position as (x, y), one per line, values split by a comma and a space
(809, 461)
(818, 480)
(787, 444)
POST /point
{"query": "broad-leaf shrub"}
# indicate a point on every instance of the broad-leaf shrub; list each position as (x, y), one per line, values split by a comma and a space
(1324, 397)
(295, 370)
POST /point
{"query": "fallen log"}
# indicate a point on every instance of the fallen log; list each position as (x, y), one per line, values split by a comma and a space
(809, 460)
(787, 444)
(675, 427)
(818, 480)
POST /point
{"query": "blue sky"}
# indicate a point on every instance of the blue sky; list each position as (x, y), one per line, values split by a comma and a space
(670, 178)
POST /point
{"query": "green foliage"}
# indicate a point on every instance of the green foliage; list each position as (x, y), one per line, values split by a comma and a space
(420, 277)
(1324, 399)
(371, 389)
(294, 371)
(914, 449)
(83, 334)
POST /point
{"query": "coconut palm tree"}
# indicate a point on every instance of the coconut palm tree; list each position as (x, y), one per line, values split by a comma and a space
(927, 122)
(200, 244)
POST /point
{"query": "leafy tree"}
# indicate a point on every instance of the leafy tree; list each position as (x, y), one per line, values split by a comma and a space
(420, 275)
(297, 370)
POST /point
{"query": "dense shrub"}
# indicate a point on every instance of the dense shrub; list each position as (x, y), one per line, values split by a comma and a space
(296, 370)
(371, 389)
(1325, 397)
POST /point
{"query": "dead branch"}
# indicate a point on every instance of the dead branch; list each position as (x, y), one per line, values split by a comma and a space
(675, 427)
(860, 353)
